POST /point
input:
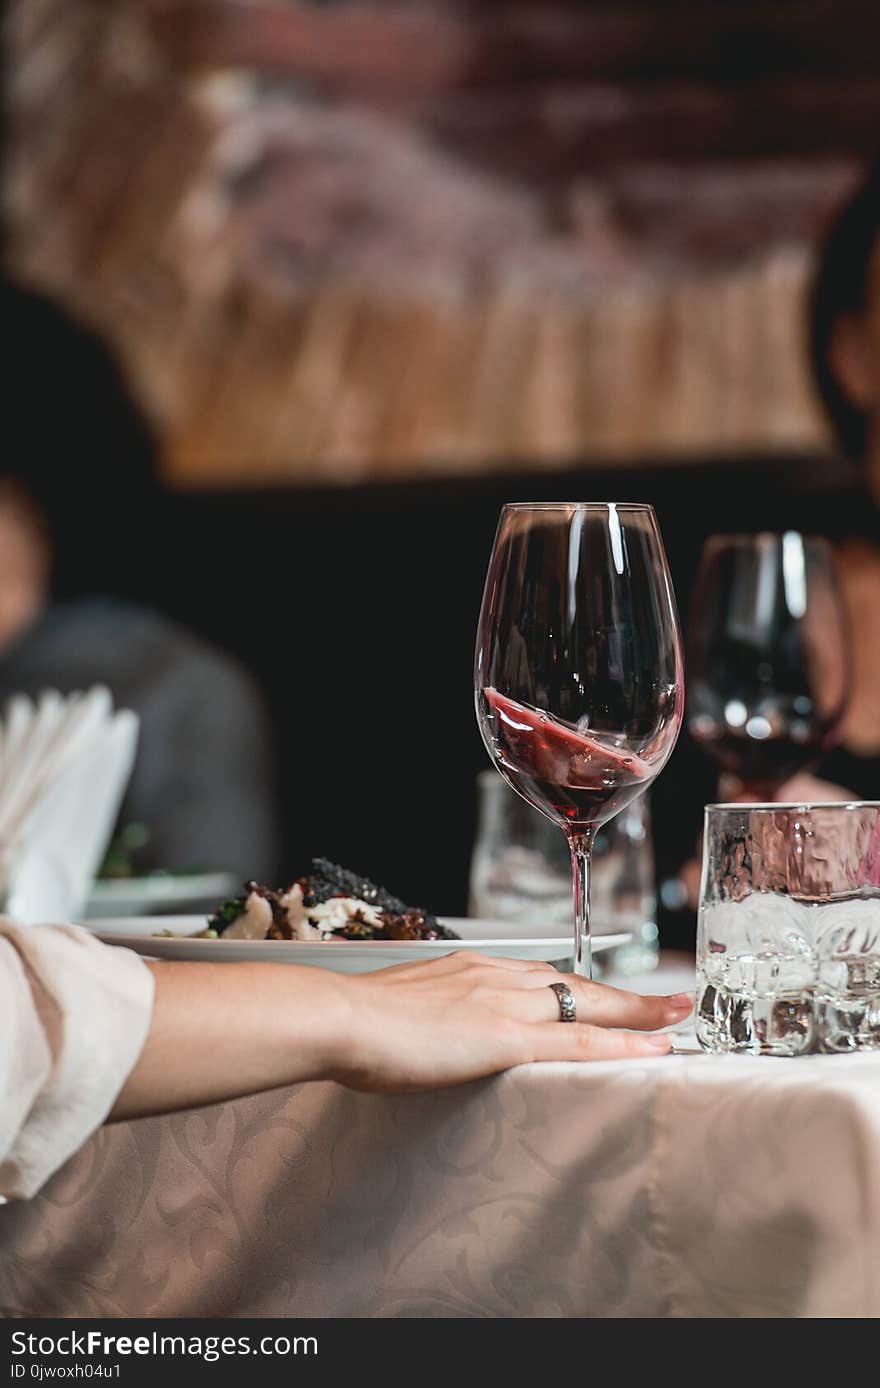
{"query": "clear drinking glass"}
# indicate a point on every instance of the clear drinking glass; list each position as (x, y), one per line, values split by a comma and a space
(578, 672)
(520, 866)
(768, 658)
(521, 871)
(788, 944)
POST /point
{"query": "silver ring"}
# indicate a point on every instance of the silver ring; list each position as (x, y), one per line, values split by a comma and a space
(565, 998)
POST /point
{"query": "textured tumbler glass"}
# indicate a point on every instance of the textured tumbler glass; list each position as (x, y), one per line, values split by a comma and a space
(788, 947)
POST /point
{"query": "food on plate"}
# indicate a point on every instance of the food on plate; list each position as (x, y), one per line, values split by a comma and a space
(327, 903)
(208, 934)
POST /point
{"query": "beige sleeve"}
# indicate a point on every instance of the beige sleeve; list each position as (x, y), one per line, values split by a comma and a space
(74, 1015)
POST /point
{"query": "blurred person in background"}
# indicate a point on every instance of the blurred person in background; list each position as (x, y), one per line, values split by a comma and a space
(845, 352)
(844, 341)
(79, 515)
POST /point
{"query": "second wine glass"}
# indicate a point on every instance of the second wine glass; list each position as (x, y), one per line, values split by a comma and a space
(578, 673)
(768, 657)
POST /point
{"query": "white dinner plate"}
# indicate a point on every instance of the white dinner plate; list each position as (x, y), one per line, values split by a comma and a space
(114, 897)
(343, 956)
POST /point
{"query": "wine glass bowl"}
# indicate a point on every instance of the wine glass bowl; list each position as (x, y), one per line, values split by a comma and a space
(767, 658)
(578, 672)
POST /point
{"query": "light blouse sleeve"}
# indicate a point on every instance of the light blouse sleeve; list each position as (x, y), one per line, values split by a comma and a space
(74, 1015)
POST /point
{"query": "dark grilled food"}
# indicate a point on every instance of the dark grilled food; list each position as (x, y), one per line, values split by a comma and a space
(329, 902)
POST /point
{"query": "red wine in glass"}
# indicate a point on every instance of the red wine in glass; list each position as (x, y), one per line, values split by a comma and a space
(578, 672)
(573, 778)
(768, 655)
(758, 767)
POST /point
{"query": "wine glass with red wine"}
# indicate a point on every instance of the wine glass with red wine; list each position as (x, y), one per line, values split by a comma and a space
(578, 672)
(768, 659)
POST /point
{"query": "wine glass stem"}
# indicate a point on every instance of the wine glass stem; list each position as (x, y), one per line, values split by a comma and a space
(581, 845)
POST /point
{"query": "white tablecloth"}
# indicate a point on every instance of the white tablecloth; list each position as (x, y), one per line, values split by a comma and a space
(684, 1186)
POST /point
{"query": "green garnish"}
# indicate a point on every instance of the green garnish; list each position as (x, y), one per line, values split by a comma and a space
(227, 912)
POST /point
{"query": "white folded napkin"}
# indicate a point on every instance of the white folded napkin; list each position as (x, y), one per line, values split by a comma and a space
(64, 767)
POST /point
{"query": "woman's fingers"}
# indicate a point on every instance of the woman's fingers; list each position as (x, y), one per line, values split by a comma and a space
(580, 1041)
(599, 1004)
(521, 989)
(531, 998)
(604, 1006)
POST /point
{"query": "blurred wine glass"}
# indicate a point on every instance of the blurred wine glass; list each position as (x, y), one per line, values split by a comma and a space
(768, 659)
(578, 672)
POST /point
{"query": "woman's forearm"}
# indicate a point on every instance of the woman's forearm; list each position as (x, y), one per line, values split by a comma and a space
(222, 1030)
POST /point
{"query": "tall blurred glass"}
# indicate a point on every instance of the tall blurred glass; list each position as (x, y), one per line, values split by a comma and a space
(520, 871)
(768, 658)
(788, 944)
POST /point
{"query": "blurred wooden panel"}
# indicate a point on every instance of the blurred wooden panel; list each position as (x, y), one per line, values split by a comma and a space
(372, 240)
(371, 389)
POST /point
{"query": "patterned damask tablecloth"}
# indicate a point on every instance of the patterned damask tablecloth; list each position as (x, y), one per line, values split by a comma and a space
(684, 1186)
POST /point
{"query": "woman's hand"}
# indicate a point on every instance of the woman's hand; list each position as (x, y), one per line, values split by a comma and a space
(222, 1030)
(426, 1026)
